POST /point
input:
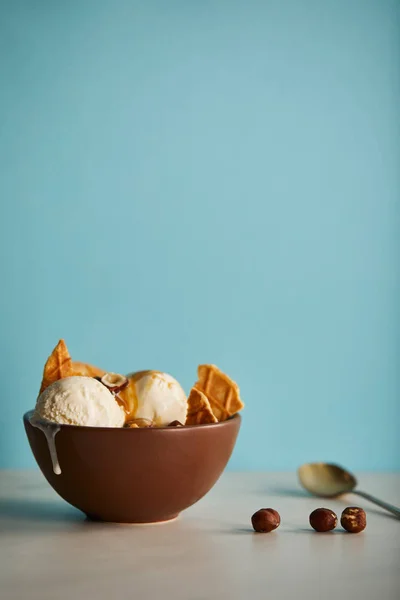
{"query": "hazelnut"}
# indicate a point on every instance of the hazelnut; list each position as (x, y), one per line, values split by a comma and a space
(353, 519)
(265, 520)
(175, 423)
(323, 519)
(114, 382)
(141, 423)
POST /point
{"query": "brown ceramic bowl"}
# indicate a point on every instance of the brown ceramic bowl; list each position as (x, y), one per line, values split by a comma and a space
(135, 475)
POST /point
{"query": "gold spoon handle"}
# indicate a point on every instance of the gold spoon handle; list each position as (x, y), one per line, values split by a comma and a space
(395, 511)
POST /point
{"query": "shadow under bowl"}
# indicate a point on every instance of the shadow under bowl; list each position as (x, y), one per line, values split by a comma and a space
(135, 475)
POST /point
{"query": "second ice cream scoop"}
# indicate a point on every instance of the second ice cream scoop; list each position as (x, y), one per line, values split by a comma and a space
(154, 396)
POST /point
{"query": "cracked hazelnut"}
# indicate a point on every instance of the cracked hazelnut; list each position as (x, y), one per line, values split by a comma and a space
(141, 423)
(323, 519)
(353, 519)
(265, 520)
(175, 424)
(114, 382)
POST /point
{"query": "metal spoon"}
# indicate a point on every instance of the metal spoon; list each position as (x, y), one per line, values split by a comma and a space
(327, 480)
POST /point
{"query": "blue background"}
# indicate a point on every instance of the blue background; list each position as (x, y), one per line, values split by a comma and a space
(200, 181)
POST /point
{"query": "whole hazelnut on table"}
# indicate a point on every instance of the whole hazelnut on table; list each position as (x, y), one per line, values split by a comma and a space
(323, 519)
(353, 519)
(265, 520)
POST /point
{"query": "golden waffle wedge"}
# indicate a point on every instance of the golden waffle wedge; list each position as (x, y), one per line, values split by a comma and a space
(85, 370)
(222, 393)
(57, 366)
(199, 410)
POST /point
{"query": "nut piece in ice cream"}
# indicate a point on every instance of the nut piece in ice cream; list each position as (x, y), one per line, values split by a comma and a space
(199, 410)
(80, 401)
(222, 392)
(140, 423)
(114, 382)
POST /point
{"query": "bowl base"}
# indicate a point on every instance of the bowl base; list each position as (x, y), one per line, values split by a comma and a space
(162, 522)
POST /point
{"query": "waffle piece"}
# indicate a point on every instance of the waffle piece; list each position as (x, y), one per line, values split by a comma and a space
(222, 393)
(199, 409)
(85, 370)
(60, 365)
(57, 366)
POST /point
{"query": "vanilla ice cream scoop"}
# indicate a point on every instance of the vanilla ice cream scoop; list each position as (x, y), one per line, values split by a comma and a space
(80, 401)
(157, 397)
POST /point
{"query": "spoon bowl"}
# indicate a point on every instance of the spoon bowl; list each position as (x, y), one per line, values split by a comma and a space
(326, 480)
(329, 480)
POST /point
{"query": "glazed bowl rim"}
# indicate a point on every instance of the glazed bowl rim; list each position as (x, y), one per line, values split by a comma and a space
(235, 417)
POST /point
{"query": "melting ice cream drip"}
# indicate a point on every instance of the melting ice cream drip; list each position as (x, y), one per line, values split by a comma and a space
(50, 431)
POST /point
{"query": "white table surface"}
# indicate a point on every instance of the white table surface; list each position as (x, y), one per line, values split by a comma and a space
(48, 551)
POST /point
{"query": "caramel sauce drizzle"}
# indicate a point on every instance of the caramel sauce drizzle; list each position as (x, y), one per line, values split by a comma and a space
(127, 398)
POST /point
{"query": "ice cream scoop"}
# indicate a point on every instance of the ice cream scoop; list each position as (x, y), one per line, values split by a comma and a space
(74, 401)
(80, 401)
(156, 397)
